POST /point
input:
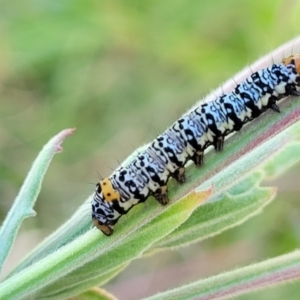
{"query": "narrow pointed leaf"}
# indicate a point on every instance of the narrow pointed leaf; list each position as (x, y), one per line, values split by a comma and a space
(271, 272)
(92, 252)
(24, 202)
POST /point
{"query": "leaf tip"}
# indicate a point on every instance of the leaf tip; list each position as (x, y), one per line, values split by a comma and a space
(61, 137)
(201, 196)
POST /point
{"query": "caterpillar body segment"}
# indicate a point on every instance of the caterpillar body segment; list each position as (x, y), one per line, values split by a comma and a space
(207, 124)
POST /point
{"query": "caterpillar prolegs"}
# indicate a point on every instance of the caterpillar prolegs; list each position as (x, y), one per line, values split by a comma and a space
(205, 125)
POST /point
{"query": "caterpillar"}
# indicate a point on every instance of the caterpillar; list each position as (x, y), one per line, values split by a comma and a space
(207, 124)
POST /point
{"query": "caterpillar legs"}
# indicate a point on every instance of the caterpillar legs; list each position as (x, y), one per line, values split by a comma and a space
(179, 175)
(219, 143)
(295, 93)
(197, 158)
(275, 107)
(161, 195)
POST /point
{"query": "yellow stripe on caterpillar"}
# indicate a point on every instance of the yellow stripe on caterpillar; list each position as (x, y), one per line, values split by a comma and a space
(108, 191)
(293, 59)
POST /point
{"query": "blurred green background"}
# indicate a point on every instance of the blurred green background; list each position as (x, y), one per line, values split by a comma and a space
(121, 72)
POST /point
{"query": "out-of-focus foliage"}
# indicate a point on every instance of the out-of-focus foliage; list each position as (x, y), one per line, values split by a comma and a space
(122, 71)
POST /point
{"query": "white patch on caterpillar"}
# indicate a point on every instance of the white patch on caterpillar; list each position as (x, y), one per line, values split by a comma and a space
(280, 88)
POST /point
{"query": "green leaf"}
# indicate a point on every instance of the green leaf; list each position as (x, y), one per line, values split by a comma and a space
(57, 291)
(274, 271)
(95, 294)
(64, 235)
(92, 253)
(220, 214)
(24, 202)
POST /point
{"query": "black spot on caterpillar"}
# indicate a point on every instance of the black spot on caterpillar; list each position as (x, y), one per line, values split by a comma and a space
(205, 125)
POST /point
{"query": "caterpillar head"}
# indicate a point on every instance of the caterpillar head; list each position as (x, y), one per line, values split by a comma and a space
(294, 60)
(103, 213)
